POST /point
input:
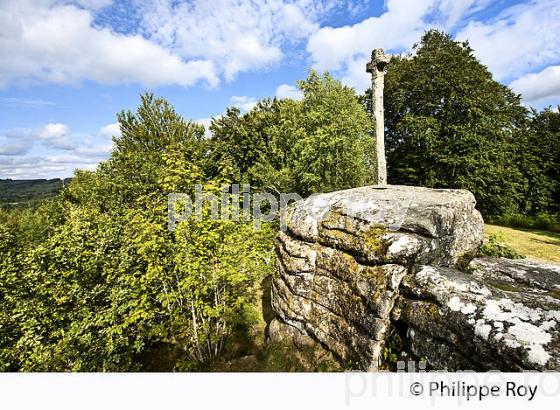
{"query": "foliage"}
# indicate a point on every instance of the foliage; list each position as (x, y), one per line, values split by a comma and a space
(542, 141)
(450, 125)
(318, 144)
(93, 280)
(396, 346)
(15, 193)
(494, 246)
(542, 221)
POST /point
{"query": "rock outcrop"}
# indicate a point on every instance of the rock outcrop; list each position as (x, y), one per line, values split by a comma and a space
(351, 263)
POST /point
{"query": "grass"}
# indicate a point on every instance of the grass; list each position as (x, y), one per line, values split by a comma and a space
(532, 243)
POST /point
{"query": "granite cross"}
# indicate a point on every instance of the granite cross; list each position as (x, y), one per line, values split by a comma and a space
(376, 67)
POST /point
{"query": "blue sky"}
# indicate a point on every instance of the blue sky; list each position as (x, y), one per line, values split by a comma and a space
(67, 67)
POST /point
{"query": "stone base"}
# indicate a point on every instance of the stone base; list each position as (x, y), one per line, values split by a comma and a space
(352, 261)
(310, 355)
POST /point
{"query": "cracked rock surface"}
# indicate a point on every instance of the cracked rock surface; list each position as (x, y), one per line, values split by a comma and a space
(461, 321)
(351, 262)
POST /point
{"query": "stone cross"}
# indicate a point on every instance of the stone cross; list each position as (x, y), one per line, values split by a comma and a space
(376, 67)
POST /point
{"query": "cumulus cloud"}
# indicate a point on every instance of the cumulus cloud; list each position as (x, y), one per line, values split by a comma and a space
(51, 151)
(14, 147)
(288, 91)
(53, 131)
(32, 167)
(57, 43)
(539, 86)
(55, 135)
(94, 150)
(15, 142)
(451, 12)
(346, 50)
(110, 130)
(237, 35)
(332, 48)
(518, 40)
(243, 102)
(170, 42)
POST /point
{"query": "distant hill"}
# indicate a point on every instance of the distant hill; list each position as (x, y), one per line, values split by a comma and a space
(23, 191)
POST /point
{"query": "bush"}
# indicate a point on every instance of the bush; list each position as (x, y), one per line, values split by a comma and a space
(543, 221)
(494, 247)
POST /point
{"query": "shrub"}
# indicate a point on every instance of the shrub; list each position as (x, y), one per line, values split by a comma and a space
(543, 221)
(494, 247)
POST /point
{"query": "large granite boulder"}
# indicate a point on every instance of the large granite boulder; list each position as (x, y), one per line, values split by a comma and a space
(393, 224)
(352, 262)
(328, 295)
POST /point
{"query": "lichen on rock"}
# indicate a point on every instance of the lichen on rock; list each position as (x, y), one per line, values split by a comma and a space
(353, 262)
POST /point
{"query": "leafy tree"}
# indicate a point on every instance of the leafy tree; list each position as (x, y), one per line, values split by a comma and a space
(450, 125)
(104, 282)
(158, 152)
(335, 151)
(315, 145)
(542, 144)
(256, 143)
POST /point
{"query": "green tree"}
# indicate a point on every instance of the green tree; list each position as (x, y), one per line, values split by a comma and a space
(542, 144)
(450, 125)
(158, 152)
(104, 282)
(336, 149)
(318, 144)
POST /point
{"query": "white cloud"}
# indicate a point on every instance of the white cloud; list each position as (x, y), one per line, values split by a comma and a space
(355, 74)
(67, 159)
(57, 43)
(13, 148)
(176, 43)
(237, 35)
(53, 131)
(58, 136)
(520, 39)
(50, 151)
(50, 166)
(347, 49)
(517, 41)
(110, 130)
(332, 48)
(244, 103)
(539, 86)
(95, 150)
(206, 122)
(288, 91)
(24, 102)
(452, 11)
(15, 142)
(55, 135)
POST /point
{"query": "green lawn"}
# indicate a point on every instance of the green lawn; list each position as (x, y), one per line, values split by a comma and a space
(531, 243)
